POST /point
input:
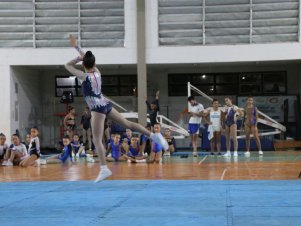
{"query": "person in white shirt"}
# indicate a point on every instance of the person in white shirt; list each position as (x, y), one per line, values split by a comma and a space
(195, 111)
(215, 116)
(15, 153)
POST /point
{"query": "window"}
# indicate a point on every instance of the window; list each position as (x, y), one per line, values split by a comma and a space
(247, 83)
(226, 78)
(112, 85)
(274, 82)
(226, 83)
(66, 83)
(202, 79)
(119, 85)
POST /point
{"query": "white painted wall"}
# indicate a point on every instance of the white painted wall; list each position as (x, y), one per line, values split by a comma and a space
(214, 53)
(26, 110)
(59, 56)
(155, 53)
(6, 114)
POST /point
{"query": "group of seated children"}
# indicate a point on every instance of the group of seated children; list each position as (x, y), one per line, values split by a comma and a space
(19, 153)
(130, 149)
(72, 149)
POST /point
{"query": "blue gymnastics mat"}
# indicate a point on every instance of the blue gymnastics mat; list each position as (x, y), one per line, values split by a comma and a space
(151, 202)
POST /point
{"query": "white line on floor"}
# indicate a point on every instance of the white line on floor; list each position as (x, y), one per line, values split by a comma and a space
(224, 172)
(297, 158)
(203, 160)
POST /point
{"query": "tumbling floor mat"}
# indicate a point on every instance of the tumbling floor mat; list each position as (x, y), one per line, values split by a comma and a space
(151, 202)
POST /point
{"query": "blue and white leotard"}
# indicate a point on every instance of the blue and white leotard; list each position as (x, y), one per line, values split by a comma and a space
(91, 86)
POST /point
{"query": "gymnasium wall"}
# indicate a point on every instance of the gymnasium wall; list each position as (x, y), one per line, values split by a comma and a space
(161, 59)
(36, 93)
(26, 99)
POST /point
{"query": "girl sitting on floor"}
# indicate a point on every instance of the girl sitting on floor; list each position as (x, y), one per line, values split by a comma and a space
(15, 153)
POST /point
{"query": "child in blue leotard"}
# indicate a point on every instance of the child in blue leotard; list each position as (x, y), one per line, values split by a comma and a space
(156, 151)
(134, 153)
(115, 150)
(77, 146)
(64, 157)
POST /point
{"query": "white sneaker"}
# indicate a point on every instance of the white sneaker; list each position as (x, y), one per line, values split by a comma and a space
(228, 154)
(103, 174)
(159, 139)
(90, 159)
(77, 155)
(9, 163)
(195, 154)
(167, 153)
(145, 154)
(247, 154)
(260, 152)
(4, 163)
(43, 161)
(235, 154)
(235, 158)
(140, 160)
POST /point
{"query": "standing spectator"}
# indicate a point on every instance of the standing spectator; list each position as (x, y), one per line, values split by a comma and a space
(86, 126)
(153, 110)
(195, 112)
(214, 118)
(69, 122)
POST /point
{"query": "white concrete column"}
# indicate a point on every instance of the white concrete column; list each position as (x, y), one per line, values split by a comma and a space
(141, 62)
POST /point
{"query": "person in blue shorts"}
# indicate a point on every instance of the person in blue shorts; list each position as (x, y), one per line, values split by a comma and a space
(195, 111)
